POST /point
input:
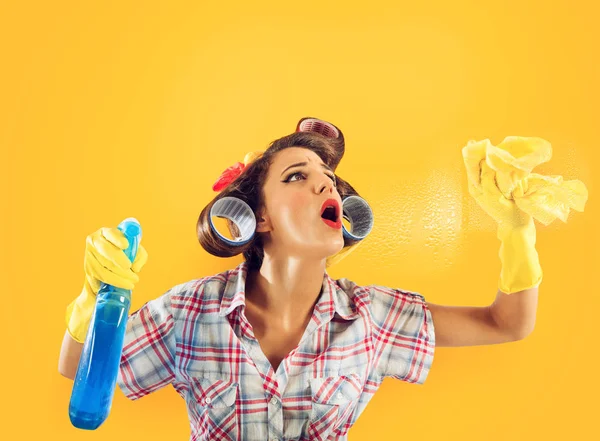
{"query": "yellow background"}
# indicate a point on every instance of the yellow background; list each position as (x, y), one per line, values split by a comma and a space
(118, 109)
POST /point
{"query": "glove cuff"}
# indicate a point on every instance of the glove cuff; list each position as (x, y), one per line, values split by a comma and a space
(520, 261)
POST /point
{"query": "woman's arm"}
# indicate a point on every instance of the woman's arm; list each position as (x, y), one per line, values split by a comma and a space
(509, 318)
(70, 353)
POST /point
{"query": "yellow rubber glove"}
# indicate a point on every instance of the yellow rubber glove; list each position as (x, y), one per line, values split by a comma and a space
(106, 262)
(516, 230)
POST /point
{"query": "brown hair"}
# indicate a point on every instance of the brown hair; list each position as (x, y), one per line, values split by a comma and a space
(249, 188)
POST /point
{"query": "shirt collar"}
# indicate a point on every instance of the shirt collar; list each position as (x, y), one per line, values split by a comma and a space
(331, 300)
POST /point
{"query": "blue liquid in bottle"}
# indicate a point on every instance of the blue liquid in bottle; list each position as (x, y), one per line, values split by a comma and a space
(96, 378)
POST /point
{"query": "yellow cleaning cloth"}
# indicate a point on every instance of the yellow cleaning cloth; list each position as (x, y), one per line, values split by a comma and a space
(545, 198)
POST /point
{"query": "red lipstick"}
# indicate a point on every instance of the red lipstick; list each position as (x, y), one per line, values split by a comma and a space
(333, 218)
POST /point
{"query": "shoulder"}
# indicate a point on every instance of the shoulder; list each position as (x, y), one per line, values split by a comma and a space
(382, 293)
(195, 293)
(375, 294)
(389, 302)
(208, 287)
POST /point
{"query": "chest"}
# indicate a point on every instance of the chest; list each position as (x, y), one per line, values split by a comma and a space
(275, 342)
(323, 392)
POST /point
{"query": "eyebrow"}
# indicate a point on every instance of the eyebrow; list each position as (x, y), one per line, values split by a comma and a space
(301, 164)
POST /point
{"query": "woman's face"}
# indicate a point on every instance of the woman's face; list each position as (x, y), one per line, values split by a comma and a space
(294, 196)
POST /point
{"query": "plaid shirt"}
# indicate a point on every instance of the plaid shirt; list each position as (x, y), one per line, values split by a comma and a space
(196, 337)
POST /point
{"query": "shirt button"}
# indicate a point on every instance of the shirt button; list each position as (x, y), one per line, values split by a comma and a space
(274, 401)
(207, 400)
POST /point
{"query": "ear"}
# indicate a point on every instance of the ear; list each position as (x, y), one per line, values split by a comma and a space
(263, 223)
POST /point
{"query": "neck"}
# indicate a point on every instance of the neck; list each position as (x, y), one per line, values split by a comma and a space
(286, 289)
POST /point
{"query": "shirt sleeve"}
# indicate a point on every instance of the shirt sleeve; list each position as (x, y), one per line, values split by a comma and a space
(404, 334)
(148, 357)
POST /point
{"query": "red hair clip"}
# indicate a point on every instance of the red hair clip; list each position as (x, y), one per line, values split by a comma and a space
(228, 176)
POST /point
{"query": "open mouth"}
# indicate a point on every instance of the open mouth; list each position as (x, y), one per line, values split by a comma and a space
(330, 213)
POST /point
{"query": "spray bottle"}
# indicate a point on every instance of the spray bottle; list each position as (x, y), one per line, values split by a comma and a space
(94, 385)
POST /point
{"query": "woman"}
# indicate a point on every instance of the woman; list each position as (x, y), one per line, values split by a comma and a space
(275, 349)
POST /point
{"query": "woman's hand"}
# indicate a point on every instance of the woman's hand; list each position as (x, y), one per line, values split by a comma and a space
(516, 229)
(484, 189)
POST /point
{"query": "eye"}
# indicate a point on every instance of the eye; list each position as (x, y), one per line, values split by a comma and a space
(332, 177)
(292, 175)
